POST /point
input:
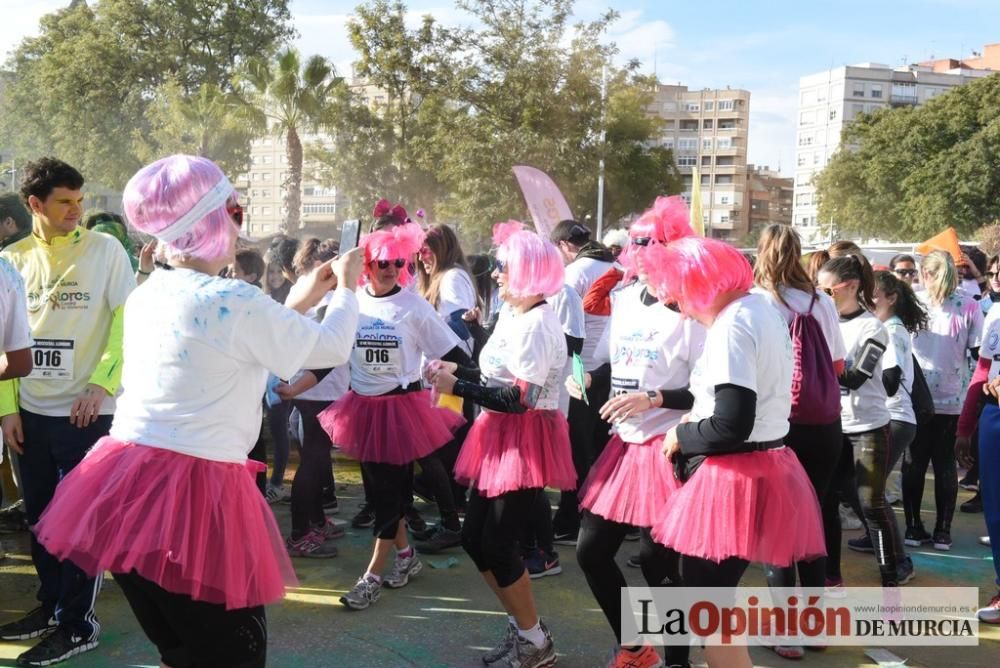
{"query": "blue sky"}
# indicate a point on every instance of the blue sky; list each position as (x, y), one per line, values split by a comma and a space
(763, 47)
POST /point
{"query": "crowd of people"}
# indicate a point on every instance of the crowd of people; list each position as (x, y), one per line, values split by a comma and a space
(672, 390)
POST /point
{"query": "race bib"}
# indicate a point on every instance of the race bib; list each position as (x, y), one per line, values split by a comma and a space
(378, 357)
(53, 359)
(623, 385)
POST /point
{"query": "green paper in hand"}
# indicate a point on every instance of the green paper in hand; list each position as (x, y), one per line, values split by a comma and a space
(580, 376)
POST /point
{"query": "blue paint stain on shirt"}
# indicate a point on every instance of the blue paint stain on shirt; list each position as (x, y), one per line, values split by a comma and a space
(223, 312)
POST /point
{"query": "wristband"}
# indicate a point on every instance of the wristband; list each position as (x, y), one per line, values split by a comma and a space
(143, 273)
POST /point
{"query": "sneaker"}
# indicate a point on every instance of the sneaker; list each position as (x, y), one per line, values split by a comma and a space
(524, 654)
(566, 537)
(330, 530)
(35, 623)
(984, 540)
(942, 541)
(311, 546)
(861, 544)
(365, 517)
(440, 539)
(991, 613)
(834, 588)
(503, 647)
(905, 572)
(633, 562)
(633, 534)
(916, 537)
(402, 571)
(892, 498)
(969, 484)
(645, 657)
(541, 564)
(331, 506)
(848, 520)
(275, 494)
(365, 592)
(973, 505)
(58, 646)
(13, 519)
(414, 521)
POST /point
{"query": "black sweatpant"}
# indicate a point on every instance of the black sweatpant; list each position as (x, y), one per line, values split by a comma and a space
(391, 494)
(492, 531)
(314, 472)
(196, 634)
(934, 444)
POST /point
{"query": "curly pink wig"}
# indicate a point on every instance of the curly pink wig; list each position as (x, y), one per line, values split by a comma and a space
(534, 265)
(693, 271)
(162, 192)
(399, 242)
(667, 220)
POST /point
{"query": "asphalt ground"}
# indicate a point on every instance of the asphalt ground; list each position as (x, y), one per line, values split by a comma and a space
(448, 617)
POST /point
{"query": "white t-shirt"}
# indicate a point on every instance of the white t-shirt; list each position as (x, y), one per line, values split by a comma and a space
(825, 312)
(900, 353)
(198, 350)
(748, 345)
(652, 348)
(527, 346)
(393, 332)
(336, 383)
(580, 275)
(942, 349)
(569, 309)
(13, 310)
(457, 293)
(863, 409)
(990, 349)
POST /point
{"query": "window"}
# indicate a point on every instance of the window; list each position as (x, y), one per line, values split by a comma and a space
(808, 98)
(725, 161)
(311, 209)
(724, 218)
(726, 105)
(876, 91)
(265, 211)
(723, 179)
(669, 125)
(725, 142)
(805, 140)
(856, 109)
(821, 95)
(265, 193)
(707, 124)
(687, 144)
(804, 220)
(817, 159)
(833, 114)
(265, 176)
(706, 144)
(692, 106)
(706, 180)
(731, 123)
(687, 160)
(689, 126)
(253, 211)
(669, 106)
(801, 162)
(254, 193)
(267, 159)
(805, 118)
(706, 161)
(858, 90)
(668, 142)
(709, 106)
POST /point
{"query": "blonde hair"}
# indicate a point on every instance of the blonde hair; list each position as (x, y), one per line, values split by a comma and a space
(779, 262)
(940, 276)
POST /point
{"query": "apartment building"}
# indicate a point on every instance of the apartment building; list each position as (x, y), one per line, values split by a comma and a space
(770, 197)
(831, 99)
(708, 129)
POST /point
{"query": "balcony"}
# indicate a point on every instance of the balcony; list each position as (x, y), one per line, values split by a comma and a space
(903, 99)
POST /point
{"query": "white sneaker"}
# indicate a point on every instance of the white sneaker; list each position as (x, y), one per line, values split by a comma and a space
(991, 613)
(848, 520)
(984, 540)
(276, 494)
(402, 571)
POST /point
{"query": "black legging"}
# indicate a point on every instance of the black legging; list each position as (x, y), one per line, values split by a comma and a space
(538, 529)
(818, 448)
(314, 472)
(492, 530)
(435, 474)
(934, 444)
(596, 547)
(582, 424)
(389, 485)
(697, 572)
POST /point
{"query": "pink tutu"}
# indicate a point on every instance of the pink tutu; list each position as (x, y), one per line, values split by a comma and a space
(389, 429)
(505, 452)
(193, 526)
(758, 506)
(630, 483)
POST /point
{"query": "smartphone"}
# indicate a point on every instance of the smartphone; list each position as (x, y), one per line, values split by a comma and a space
(350, 233)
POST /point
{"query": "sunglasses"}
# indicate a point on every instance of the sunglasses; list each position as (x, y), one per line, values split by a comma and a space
(501, 266)
(834, 288)
(384, 264)
(235, 212)
(992, 274)
(642, 241)
(905, 272)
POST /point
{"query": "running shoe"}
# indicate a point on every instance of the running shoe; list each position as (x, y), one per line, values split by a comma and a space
(330, 503)
(984, 540)
(969, 484)
(905, 572)
(942, 540)
(973, 505)
(917, 536)
(276, 494)
(415, 521)
(365, 517)
(834, 588)
(329, 530)
(539, 564)
(524, 654)
(644, 657)
(503, 647)
(311, 546)
(365, 592)
(991, 613)
(37, 622)
(58, 646)
(566, 537)
(861, 544)
(402, 571)
(440, 539)
(848, 519)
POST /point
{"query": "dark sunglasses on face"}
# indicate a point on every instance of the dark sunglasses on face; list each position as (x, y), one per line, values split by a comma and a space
(642, 241)
(992, 274)
(235, 212)
(384, 264)
(501, 266)
(906, 272)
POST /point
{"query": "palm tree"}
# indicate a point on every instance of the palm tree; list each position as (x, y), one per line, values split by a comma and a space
(285, 98)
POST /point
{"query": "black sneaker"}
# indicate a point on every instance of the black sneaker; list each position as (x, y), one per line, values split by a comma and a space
(415, 521)
(942, 540)
(973, 505)
(541, 564)
(905, 572)
(58, 646)
(633, 562)
(365, 517)
(565, 537)
(916, 537)
(970, 484)
(35, 623)
(861, 544)
(440, 539)
(331, 506)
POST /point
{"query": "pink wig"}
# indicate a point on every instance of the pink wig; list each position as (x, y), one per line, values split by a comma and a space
(667, 220)
(534, 265)
(399, 242)
(162, 192)
(693, 271)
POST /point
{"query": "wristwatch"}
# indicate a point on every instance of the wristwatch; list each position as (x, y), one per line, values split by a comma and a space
(652, 395)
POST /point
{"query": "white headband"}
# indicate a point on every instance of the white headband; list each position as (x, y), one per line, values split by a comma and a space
(209, 202)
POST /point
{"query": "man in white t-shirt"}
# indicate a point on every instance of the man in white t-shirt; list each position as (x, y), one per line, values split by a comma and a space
(76, 282)
(585, 261)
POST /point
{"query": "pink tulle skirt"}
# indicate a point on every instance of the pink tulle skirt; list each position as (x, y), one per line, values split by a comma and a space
(505, 452)
(758, 506)
(630, 483)
(191, 525)
(392, 429)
